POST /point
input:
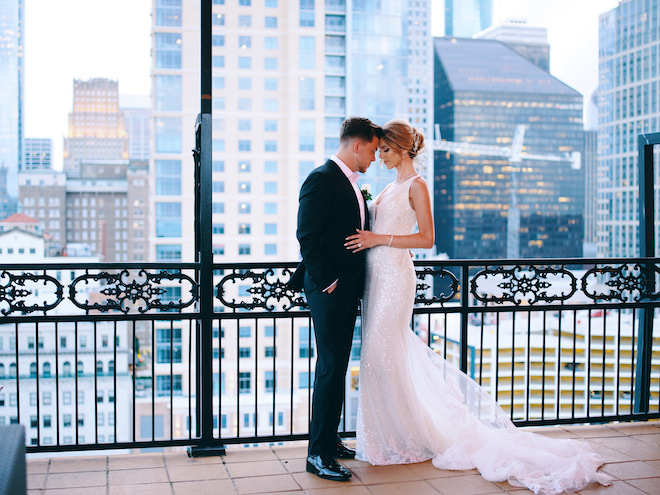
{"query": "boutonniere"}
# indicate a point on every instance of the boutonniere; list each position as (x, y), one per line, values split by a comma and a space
(366, 194)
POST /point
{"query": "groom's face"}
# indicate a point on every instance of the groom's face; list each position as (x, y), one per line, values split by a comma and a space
(365, 153)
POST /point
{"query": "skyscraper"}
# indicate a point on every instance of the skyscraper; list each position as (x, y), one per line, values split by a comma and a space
(96, 125)
(11, 101)
(530, 41)
(628, 105)
(465, 18)
(488, 205)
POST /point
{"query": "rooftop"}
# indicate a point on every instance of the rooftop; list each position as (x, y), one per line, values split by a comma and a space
(490, 66)
(631, 452)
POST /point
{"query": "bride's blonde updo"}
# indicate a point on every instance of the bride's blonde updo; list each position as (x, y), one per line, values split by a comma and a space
(402, 135)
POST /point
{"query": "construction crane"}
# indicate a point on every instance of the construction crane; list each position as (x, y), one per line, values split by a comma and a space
(514, 154)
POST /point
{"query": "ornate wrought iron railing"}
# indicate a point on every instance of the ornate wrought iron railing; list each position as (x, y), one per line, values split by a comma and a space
(112, 355)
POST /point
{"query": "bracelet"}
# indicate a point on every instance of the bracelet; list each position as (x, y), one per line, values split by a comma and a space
(389, 244)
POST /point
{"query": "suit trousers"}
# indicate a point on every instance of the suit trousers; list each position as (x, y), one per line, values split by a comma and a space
(334, 321)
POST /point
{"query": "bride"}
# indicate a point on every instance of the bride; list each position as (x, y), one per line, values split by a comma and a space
(414, 405)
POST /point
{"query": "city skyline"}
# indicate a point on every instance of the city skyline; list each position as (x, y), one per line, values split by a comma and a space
(127, 58)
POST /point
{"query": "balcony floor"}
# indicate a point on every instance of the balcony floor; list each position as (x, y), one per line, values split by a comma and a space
(631, 452)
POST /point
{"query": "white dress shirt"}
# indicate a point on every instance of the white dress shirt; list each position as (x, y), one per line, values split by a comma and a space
(352, 177)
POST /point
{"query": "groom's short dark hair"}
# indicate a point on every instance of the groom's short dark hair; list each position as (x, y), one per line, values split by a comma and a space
(360, 127)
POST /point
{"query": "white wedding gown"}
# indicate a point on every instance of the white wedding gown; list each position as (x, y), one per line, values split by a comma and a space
(416, 406)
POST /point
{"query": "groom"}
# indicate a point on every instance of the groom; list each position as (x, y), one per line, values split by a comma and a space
(332, 208)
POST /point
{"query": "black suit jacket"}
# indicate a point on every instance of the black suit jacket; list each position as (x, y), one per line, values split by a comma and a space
(328, 213)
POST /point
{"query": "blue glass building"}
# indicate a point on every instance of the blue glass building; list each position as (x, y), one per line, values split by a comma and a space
(465, 18)
(488, 206)
(628, 105)
(11, 101)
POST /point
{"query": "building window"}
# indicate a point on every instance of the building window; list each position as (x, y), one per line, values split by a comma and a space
(244, 187)
(218, 208)
(305, 340)
(244, 207)
(168, 50)
(218, 228)
(306, 52)
(244, 145)
(168, 135)
(218, 165)
(244, 166)
(168, 219)
(270, 249)
(244, 21)
(244, 62)
(243, 249)
(306, 134)
(270, 105)
(218, 61)
(270, 208)
(245, 42)
(270, 63)
(305, 379)
(269, 351)
(270, 187)
(270, 229)
(306, 13)
(167, 92)
(244, 228)
(269, 381)
(271, 22)
(218, 20)
(270, 146)
(270, 125)
(306, 93)
(270, 84)
(245, 104)
(168, 12)
(168, 345)
(218, 186)
(166, 385)
(270, 43)
(168, 177)
(168, 252)
(244, 352)
(218, 40)
(244, 382)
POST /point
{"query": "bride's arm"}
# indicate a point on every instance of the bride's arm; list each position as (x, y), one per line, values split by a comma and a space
(423, 238)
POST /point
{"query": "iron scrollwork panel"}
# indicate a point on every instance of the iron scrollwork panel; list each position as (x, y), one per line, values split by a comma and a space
(267, 289)
(625, 283)
(19, 293)
(523, 284)
(130, 291)
(442, 287)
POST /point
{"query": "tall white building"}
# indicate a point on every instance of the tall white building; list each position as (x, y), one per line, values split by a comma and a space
(285, 75)
(628, 105)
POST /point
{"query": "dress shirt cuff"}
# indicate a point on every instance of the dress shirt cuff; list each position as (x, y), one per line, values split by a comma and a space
(333, 283)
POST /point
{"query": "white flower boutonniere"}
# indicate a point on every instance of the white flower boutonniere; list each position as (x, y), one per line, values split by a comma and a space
(366, 192)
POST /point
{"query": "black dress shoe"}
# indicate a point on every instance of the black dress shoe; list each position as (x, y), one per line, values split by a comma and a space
(343, 451)
(324, 466)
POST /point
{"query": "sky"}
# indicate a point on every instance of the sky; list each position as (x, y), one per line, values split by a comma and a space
(90, 39)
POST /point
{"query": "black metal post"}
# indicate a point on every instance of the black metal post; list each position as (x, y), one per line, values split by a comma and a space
(465, 304)
(645, 143)
(204, 251)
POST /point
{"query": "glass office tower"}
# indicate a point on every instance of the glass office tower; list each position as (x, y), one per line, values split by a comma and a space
(628, 105)
(465, 18)
(11, 102)
(488, 206)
